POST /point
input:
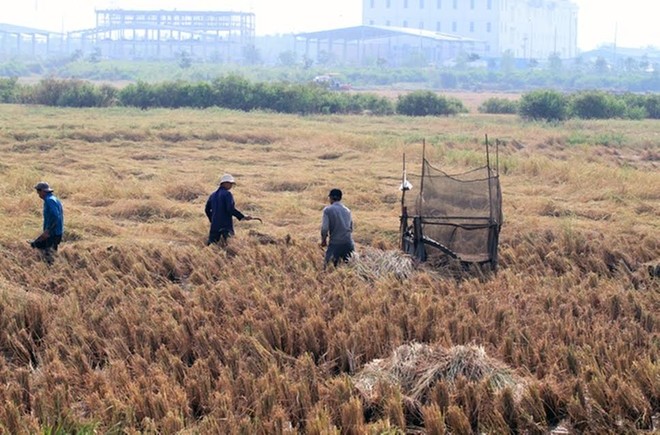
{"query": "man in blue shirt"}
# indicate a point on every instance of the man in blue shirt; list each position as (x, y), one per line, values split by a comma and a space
(220, 209)
(338, 224)
(53, 226)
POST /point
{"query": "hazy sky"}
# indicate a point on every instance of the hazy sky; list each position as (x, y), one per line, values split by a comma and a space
(633, 22)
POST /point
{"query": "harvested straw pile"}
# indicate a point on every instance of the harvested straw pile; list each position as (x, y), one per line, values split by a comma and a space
(416, 368)
(372, 264)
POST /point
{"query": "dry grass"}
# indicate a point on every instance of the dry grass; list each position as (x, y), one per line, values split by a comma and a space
(416, 368)
(140, 327)
(372, 264)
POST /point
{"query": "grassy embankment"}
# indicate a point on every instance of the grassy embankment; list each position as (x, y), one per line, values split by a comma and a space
(139, 326)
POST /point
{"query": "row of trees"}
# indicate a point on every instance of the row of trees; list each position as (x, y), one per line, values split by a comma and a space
(237, 93)
(231, 92)
(551, 105)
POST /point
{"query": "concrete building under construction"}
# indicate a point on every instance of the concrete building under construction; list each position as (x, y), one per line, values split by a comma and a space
(160, 34)
(18, 41)
(144, 34)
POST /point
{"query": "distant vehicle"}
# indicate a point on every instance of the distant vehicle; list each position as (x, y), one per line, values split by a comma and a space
(330, 81)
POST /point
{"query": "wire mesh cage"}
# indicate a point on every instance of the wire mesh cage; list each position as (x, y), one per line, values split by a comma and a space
(452, 216)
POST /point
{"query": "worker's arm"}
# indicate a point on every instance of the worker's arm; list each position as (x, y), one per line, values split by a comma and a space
(325, 228)
(240, 216)
(52, 218)
(208, 209)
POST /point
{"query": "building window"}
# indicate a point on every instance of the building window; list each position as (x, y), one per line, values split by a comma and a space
(372, 3)
(421, 4)
(405, 4)
(405, 23)
(438, 4)
(455, 4)
(372, 23)
(388, 3)
(488, 27)
(438, 27)
(421, 25)
(471, 4)
(387, 23)
(471, 26)
(454, 27)
(489, 4)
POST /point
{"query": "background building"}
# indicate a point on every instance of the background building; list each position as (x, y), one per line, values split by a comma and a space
(222, 36)
(529, 29)
(385, 46)
(160, 34)
(17, 41)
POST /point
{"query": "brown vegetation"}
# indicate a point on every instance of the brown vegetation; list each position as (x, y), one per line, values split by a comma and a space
(140, 327)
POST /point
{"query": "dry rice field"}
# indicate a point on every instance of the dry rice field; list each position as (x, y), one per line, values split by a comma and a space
(138, 327)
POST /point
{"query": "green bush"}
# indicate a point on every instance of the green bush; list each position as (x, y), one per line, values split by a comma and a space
(547, 105)
(234, 92)
(372, 103)
(597, 105)
(498, 105)
(81, 94)
(636, 112)
(237, 93)
(46, 92)
(8, 90)
(652, 106)
(67, 93)
(635, 106)
(288, 98)
(138, 94)
(427, 103)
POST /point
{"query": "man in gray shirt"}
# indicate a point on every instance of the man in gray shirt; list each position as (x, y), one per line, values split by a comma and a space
(338, 224)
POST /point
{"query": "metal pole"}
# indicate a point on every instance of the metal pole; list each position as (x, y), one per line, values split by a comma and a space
(491, 221)
(404, 211)
(490, 184)
(497, 156)
(487, 156)
(403, 181)
(423, 159)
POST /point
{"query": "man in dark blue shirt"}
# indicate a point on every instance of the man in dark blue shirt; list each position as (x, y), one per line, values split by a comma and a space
(53, 226)
(220, 209)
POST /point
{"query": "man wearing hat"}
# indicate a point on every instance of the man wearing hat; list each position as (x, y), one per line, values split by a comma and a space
(53, 227)
(220, 209)
(338, 224)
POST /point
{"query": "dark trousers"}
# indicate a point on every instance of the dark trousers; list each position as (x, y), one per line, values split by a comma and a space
(51, 242)
(48, 246)
(219, 237)
(336, 252)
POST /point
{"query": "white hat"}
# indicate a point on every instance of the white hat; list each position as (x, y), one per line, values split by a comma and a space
(227, 179)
